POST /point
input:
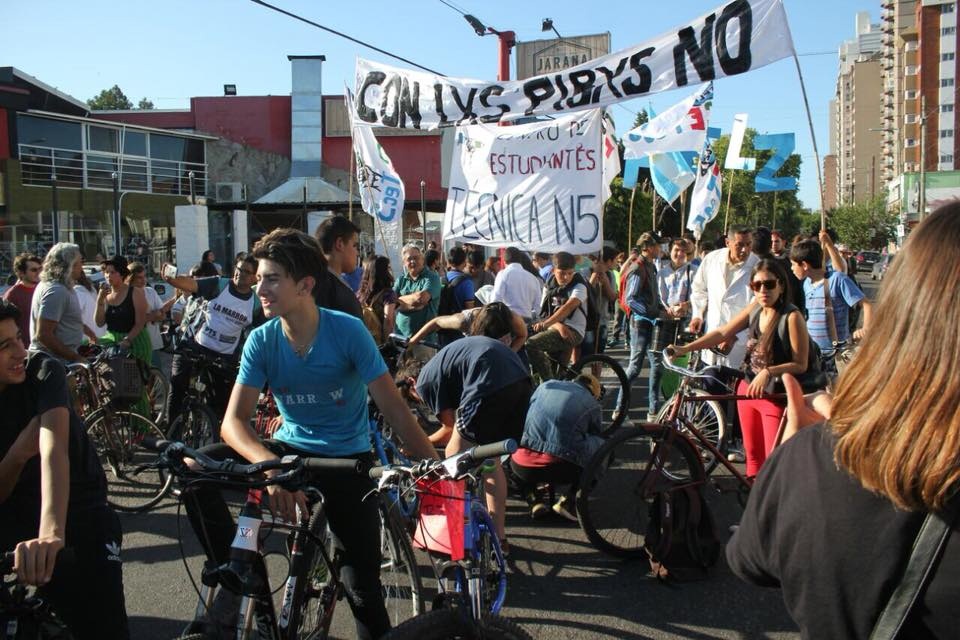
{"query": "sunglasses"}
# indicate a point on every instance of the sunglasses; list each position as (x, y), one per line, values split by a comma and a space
(769, 285)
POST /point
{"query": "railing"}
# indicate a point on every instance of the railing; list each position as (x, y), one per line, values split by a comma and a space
(91, 170)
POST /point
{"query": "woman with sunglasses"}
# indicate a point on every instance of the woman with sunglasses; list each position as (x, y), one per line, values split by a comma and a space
(767, 358)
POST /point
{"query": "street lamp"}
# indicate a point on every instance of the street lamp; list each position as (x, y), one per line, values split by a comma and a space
(548, 25)
(507, 40)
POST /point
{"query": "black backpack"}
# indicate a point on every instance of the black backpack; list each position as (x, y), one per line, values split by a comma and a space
(593, 305)
(812, 379)
(681, 539)
(448, 299)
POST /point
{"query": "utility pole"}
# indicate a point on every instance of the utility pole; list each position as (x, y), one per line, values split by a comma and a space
(923, 156)
(507, 41)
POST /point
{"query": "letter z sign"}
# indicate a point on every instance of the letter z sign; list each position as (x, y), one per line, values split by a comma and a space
(781, 145)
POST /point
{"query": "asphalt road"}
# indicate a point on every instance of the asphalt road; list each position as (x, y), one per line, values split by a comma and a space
(560, 587)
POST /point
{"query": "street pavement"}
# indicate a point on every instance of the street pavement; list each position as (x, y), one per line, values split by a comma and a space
(560, 586)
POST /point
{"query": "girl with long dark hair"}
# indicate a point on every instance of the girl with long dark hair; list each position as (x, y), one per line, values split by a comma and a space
(376, 291)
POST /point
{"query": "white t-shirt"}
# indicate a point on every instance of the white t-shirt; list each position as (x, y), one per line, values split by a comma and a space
(153, 328)
(577, 320)
(88, 309)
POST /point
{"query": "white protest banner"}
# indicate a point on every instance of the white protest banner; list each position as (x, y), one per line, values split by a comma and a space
(734, 161)
(705, 200)
(381, 190)
(739, 36)
(682, 127)
(534, 186)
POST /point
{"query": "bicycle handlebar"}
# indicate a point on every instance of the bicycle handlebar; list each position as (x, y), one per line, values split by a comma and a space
(668, 364)
(454, 467)
(8, 558)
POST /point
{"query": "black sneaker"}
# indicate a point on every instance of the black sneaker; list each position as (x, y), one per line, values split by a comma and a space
(566, 508)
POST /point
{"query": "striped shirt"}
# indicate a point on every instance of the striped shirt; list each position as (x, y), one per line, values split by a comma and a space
(844, 293)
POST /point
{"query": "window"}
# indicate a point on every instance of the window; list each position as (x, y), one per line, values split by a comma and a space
(134, 143)
(946, 82)
(910, 118)
(948, 31)
(103, 139)
(948, 158)
(946, 57)
(910, 142)
(44, 132)
(946, 8)
(946, 108)
(946, 133)
(910, 70)
(910, 94)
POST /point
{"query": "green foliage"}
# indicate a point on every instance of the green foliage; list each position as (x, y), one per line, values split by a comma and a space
(112, 98)
(865, 225)
(616, 214)
(145, 104)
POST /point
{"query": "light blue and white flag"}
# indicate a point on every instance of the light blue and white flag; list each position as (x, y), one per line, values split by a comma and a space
(705, 201)
(382, 192)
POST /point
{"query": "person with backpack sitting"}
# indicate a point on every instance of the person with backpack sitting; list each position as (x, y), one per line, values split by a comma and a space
(771, 353)
(456, 293)
(564, 317)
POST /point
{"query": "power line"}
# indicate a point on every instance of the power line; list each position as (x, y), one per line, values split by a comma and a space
(343, 35)
(454, 7)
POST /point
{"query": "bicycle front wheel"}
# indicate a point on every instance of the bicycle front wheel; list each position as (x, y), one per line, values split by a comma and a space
(158, 390)
(399, 572)
(196, 427)
(707, 417)
(619, 483)
(614, 388)
(117, 436)
(455, 624)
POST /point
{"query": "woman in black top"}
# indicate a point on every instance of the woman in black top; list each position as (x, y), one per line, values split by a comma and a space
(834, 514)
(768, 357)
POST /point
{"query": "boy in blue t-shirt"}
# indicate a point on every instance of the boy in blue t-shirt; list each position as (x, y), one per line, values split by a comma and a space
(806, 260)
(320, 365)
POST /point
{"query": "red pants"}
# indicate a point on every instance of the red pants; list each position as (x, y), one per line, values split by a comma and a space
(759, 422)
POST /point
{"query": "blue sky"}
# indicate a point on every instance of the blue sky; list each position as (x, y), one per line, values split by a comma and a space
(172, 50)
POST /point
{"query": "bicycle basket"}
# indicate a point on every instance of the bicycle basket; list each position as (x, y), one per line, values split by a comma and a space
(440, 523)
(126, 377)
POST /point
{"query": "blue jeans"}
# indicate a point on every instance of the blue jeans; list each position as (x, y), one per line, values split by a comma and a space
(640, 334)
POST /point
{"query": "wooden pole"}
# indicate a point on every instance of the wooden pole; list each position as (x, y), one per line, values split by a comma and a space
(813, 138)
(654, 211)
(726, 216)
(683, 210)
(633, 194)
(774, 225)
(353, 156)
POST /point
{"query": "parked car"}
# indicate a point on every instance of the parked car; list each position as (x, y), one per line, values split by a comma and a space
(881, 266)
(866, 259)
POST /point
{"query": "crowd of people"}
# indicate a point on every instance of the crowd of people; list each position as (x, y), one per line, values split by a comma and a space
(303, 315)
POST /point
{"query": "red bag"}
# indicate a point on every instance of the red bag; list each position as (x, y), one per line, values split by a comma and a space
(441, 518)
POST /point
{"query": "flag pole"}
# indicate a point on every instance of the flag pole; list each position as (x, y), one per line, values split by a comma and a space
(774, 225)
(654, 211)
(813, 135)
(353, 155)
(633, 194)
(726, 216)
(683, 209)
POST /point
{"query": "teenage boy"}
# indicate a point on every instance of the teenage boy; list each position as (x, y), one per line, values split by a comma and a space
(53, 493)
(563, 313)
(27, 268)
(320, 365)
(806, 258)
(643, 297)
(340, 241)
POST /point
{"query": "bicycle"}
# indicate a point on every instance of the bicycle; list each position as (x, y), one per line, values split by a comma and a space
(23, 613)
(650, 458)
(454, 523)
(116, 433)
(157, 387)
(313, 584)
(197, 425)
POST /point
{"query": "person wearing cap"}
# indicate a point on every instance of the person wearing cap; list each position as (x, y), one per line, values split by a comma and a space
(560, 434)
(123, 308)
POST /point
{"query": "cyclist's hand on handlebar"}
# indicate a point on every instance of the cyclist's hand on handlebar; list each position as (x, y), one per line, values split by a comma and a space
(34, 559)
(285, 503)
(859, 334)
(674, 350)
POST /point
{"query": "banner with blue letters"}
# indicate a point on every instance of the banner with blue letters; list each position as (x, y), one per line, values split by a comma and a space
(538, 186)
(735, 38)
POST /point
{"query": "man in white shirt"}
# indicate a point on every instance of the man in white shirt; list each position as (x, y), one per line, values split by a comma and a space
(518, 288)
(721, 289)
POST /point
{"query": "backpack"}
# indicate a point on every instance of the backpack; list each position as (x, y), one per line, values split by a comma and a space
(373, 317)
(592, 311)
(812, 378)
(681, 539)
(624, 276)
(448, 298)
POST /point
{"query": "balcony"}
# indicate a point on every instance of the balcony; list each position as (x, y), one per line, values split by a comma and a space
(90, 170)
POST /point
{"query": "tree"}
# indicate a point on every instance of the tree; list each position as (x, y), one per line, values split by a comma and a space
(111, 98)
(864, 225)
(144, 104)
(616, 220)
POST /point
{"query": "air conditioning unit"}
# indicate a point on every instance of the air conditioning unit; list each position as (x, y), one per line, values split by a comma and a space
(230, 192)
